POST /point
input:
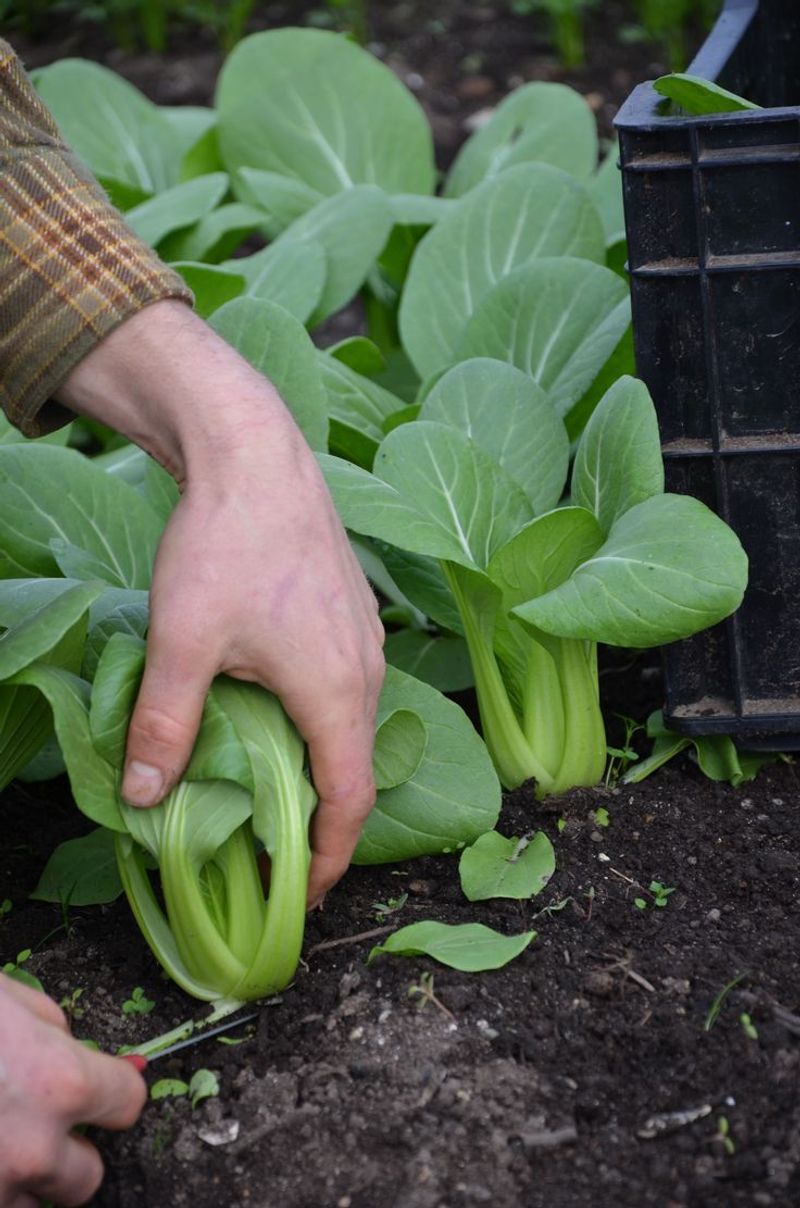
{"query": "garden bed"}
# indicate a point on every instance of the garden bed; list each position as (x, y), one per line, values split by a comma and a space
(557, 1080)
(537, 1084)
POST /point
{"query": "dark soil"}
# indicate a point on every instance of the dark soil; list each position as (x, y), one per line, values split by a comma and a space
(551, 1082)
(585, 1074)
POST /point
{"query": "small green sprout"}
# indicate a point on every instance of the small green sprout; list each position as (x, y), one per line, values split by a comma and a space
(423, 994)
(601, 817)
(560, 825)
(750, 1029)
(723, 1136)
(138, 1003)
(716, 1006)
(620, 758)
(659, 893)
(6, 907)
(69, 1004)
(204, 1084)
(382, 910)
(15, 970)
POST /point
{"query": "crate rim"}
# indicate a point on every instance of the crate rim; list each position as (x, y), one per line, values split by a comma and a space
(639, 112)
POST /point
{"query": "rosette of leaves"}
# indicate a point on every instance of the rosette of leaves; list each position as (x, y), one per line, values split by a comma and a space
(472, 494)
(79, 543)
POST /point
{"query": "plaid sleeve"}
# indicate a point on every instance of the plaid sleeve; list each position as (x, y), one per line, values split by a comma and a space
(70, 269)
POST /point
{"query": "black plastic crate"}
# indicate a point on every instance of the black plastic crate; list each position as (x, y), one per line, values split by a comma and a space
(712, 209)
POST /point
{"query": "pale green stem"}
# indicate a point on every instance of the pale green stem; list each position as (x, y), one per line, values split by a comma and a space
(585, 738)
(511, 753)
(274, 962)
(152, 923)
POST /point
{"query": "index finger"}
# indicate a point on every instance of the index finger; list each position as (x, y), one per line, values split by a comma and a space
(114, 1093)
(341, 767)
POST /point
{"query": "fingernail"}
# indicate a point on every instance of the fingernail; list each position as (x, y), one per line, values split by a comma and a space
(136, 1060)
(143, 785)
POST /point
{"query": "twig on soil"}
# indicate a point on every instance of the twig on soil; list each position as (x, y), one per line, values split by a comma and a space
(623, 964)
(372, 934)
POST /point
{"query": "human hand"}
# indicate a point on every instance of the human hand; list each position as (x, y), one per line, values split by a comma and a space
(254, 575)
(49, 1083)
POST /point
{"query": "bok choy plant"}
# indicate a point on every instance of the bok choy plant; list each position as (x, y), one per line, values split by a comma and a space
(472, 493)
(189, 866)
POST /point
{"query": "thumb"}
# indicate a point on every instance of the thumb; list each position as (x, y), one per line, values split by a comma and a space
(165, 721)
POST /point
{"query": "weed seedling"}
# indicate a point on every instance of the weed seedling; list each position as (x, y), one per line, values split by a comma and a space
(620, 758)
(15, 970)
(723, 1136)
(382, 910)
(658, 892)
(601, 817)
(138, 1003)
(422, 992)
(750, 1029)
(716, 1006)
(69, 1004)
(5, 908)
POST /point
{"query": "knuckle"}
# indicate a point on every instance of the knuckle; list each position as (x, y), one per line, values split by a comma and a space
(153, 727)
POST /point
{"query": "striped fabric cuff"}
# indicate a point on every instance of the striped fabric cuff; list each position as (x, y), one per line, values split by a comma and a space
(70, 269)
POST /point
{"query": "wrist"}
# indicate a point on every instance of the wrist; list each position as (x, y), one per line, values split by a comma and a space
(171, 385)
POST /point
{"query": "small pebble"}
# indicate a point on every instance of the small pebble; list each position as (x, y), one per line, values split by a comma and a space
(714, 915)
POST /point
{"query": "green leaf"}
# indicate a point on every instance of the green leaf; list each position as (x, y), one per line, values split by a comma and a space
(669, 568)
(359, 354)
(533, 211)
(216, 235)
(312, 105)
(543, 123)
(497, 867)
(453, 795)
(414, 209)
(442, 662)
(50, 493)
(118, 610)
(352, 228)
(698, 96)
(291, 274)
(400, 743)
(166, 1088)
(178, 207)
(281, 198)
(619, 363)
(557, 320)
(618, 463)
(455, 486)
(434, 492)
(278, 346)
(204, 1085)
(93, 781)
(470, 947)
(511, 418)
(422, 581)
(544, 554)
(355, 401)
(48, 625)
(111, 125)
(81, 872)
(194, 128)
(212, 286)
